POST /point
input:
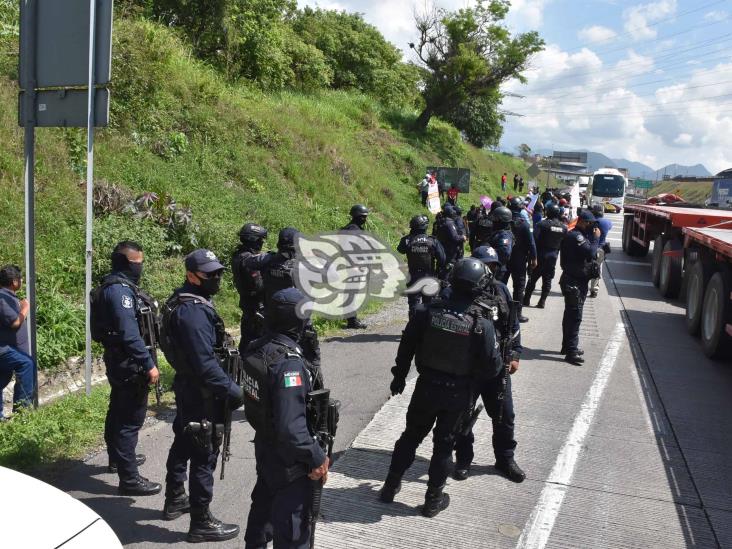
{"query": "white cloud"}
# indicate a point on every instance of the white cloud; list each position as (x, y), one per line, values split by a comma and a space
(684, 139)
(716, 15)
(596, 33)
(529, 12)
(639, 18)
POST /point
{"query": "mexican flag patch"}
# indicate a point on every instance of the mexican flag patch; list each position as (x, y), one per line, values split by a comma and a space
(293, 379)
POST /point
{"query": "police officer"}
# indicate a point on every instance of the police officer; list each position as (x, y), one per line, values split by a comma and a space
(502, 239)
(524, 251)
(359, 216)
(548, 235)
(494, 302)
(579, 266)
(248, 282)
(116, 305)
(448, 235)
(603, 246)
(450, 344)
(482, 232)
(276, 270)
(425, 257)
(288, 457)
(193, 337)
(461, 229)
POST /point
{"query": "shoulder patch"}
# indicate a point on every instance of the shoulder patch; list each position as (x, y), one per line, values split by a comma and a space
(580, 239)
(293, 379)
(127, 302)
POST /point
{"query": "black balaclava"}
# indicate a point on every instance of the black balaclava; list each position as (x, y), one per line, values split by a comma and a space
(123, 266)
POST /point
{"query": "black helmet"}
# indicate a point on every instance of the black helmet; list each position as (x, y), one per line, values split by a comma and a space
(597, 210)
(449, 211)
(419, 223)
(501, 215)
(552, 211)
(282, 317)
(251, 232)
(359, 210)
(468, 275)
(516, 204)
(286, 240)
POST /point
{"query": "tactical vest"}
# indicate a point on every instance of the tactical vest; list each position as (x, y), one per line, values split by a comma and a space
(552, 234)
(247, 281)
(494, 307)
(278, 276)
(420, 251)
(483, 229)
(518, 228)
(168, 344)
(146, 311)
(448, 344)
(255, 383)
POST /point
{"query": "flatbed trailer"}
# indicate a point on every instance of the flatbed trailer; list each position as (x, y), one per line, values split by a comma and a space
(691, 247)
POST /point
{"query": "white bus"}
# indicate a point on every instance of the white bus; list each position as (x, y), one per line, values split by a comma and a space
(608, 186)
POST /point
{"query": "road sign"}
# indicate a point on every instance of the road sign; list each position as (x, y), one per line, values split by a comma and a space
(66, 108)
(643, 184)
(60, 31)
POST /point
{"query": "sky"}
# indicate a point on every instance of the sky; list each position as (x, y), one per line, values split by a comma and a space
(646, 81)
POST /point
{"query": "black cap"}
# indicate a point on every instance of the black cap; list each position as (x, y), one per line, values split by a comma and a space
(597, 210)
(203, 261)
(586, 215)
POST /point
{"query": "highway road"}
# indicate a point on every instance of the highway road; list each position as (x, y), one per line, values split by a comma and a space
(632, 449)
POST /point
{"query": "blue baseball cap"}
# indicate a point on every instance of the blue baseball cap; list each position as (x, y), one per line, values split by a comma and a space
(586, 215)
(203, 261)
(486, 254)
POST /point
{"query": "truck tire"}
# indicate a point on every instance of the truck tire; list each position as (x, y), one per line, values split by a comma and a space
(656, 260)
(698, 276)
(630, 246)
(627, 231)
(717, 312)
(671, 275)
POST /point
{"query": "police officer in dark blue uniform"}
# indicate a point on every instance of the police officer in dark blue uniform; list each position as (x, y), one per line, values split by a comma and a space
(276, 270)
(116, 305)
(548, 234)
(494, 301)
(359, 216)
(425, 257)
(448, 235)
(579, 266)
(450, 344)
(249, 283)
(523, 253)
(502, 239)
(482, 231)
(288, 457)
(461, 229)
(193, 339)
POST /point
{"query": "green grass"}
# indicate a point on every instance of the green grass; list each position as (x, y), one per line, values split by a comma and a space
(695, 193)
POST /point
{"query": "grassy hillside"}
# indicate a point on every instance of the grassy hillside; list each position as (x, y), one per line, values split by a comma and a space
(231, 154)
(696, 193)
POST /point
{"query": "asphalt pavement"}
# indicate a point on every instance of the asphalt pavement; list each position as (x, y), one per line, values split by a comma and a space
(632, 449)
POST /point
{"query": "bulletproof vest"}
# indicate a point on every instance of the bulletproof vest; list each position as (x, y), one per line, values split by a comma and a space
(493, 306)
(278, 275)
(447, 344)
(255, 383)
(247, 281)
(168, 344)
(101, 329)
(483, 229)
(438, 224)
(420, 252)
(552, 234)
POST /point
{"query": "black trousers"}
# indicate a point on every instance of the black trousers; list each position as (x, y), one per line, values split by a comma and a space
(517, 272)
(575, 294)
(415, 299)
(545, 269)
(252, 327)
(434, 403)
(125, 416)
(503, 432)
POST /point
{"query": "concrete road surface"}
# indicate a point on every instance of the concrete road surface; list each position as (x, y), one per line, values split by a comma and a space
(633, 449)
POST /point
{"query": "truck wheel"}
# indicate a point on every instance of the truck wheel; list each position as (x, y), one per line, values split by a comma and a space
(697, 279)
(656, 261)
(717, 312)
(671, 273)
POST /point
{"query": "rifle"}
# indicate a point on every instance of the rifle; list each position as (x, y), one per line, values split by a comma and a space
(506, 344)
(149, 323)
(323, 418)
(469, 420)
(233, 366)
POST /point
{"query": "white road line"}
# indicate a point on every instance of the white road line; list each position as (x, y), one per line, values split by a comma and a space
(621, 262)
(615, 239)
(541, 522)
(623, 282)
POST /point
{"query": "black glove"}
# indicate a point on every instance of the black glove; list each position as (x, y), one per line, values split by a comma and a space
(397, 386)
(237, 401)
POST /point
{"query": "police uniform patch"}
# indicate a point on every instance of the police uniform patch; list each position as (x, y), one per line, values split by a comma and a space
(293, 379)
(127, 302)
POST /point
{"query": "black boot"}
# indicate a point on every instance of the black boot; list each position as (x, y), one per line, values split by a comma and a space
(176, 502)
(461, 471)
(391, 488)
(542, 302)
(206, 527)
(527, 300)
(579, 352)
(435, 501)
(138, 486)
(574, 358)
(139, 460)
(510, 469)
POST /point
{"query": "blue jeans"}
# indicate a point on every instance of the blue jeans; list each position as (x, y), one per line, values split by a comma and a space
(17, 362)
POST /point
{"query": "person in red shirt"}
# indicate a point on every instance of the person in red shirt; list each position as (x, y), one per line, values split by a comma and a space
(503, 182)
(452, 194)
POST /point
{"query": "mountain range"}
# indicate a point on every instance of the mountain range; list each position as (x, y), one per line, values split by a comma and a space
(595, 161)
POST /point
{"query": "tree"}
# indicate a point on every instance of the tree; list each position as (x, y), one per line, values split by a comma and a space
(479, 120)
(467, 55)
(524, 150)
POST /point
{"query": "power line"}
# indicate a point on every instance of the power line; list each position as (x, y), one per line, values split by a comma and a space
(645, 114)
